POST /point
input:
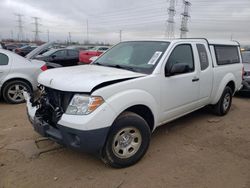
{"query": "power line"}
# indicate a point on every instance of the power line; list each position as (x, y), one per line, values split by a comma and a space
(37, 31)
(20, 35)
(185, 17)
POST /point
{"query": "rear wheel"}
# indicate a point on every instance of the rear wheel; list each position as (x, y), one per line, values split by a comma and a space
(224, 104)
(13, 91)
(127, 142)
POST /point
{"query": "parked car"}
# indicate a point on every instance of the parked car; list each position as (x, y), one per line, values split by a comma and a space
(16, 75)
(2, 45)
(84, 56)
(23, 51)
(64, 57)
(246, 77)
(130, 90)
(11, 47)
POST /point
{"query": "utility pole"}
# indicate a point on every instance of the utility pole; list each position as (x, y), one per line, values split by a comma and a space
(20, 26)
(69, 37)
(120, 34)
(170, 22)
(185, 17)
(11, 35)
(37, 31)
(48, 35)
(87, 30)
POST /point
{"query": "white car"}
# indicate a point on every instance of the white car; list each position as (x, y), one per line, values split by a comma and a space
(16, 75)
(112, 106)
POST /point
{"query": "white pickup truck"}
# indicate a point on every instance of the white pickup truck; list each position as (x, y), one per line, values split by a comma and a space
(112, 106)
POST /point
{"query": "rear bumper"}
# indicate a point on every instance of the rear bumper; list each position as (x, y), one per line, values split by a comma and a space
(91, 141)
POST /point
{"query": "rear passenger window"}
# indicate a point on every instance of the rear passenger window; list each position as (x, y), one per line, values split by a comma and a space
(203, 56)
(4, 60)
(226, 54)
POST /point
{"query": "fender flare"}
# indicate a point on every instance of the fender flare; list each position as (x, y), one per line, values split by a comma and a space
(228, 78)
(139, 97)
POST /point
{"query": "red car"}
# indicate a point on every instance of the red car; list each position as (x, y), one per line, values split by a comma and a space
(84, 56)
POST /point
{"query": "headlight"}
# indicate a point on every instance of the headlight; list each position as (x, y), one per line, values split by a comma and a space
(83, 104)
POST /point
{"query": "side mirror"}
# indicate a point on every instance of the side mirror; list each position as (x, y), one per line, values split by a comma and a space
(53, 56)
(178, 68)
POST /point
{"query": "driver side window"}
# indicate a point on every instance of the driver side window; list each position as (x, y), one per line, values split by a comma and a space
(181, 54)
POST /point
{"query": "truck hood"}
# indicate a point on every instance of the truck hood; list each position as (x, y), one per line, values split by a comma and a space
(84, 78)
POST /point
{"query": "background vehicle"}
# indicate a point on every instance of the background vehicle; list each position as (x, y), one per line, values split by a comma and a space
(130, 90)
(2, 45)
(11, 47)
(85, 56)
(64, 57)
(16, 75)
(246, 76)
(23, 51)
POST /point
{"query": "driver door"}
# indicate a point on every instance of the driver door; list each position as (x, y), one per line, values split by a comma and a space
(180, 92)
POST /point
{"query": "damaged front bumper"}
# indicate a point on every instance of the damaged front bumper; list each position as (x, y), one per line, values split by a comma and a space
(66, 132)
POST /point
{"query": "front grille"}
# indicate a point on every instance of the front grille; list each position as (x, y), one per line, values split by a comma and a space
(52, 104)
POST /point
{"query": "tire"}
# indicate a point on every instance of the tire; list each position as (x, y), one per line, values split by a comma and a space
(127, 142)
(12, 91)
(224, 104)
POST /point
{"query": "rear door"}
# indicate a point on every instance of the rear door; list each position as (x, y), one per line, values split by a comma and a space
(205, 72)
(4, 66)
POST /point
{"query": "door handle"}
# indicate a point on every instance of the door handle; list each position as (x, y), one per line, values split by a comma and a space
(195, 79)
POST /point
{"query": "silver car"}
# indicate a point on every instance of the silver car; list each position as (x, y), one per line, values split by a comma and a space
(18, 74)
(246, 76)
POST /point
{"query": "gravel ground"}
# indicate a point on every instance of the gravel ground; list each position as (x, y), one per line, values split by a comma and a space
(199, 150)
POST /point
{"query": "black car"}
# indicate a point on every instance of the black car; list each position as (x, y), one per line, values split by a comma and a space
(23, 51)
(63, 57)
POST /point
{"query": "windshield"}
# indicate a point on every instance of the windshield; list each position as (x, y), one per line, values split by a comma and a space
(246, 56)
(136, 56)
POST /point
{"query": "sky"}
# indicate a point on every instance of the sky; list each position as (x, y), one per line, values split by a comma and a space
(137, 19)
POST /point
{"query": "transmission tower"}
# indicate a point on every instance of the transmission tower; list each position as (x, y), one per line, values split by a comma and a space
(37, 31)
(184, 20)
(20, 27)
(170, 22)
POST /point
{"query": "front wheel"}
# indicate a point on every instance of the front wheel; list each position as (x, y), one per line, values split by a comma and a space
(224, 104)
(127, 141)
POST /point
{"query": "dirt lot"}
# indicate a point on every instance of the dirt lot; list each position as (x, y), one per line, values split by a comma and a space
(199, 150)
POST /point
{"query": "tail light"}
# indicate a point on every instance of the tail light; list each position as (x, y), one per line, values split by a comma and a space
(44, 68)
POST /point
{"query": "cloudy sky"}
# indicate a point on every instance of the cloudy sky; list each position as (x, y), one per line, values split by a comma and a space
(217, 19)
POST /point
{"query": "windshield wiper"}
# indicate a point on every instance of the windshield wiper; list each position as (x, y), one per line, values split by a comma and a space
(97, 63)
(122, 67)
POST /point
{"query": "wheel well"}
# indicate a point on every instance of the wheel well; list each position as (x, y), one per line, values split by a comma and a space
(145, 113)
(231, 85)
(16, 79)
